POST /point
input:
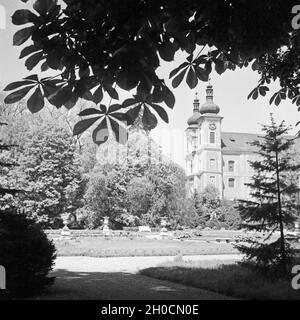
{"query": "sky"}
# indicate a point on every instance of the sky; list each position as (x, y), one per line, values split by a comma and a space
(230, 92)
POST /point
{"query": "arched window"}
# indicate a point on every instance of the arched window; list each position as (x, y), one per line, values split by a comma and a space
(212, 137)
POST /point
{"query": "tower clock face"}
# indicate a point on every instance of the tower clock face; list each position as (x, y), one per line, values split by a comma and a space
(212, 126)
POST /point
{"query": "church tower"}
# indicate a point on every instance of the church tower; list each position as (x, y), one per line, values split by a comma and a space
(203, 136)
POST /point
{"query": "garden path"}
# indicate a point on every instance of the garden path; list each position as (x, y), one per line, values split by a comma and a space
(116, 279)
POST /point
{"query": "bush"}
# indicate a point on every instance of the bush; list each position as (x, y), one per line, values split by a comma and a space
(87, 219)
(230, 216)
(187, 234)
(127, 220)
(26, 253)
(214, 224)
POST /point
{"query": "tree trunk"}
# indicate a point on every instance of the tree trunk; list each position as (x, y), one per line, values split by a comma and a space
(282, 240)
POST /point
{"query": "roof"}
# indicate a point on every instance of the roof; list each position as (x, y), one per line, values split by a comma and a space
(235, 142)
(194, 118)
(209, 107)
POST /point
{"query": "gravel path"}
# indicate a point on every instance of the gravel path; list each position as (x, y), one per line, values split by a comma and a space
(116, 278)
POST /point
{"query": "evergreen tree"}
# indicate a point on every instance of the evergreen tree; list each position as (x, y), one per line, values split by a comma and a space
(272, 206)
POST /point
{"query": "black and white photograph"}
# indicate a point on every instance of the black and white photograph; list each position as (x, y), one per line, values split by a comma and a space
(149, 154)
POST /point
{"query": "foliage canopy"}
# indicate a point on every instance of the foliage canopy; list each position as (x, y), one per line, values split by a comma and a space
(98, 46)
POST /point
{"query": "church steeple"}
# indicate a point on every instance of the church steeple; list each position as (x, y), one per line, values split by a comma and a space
(209, 106)
(209, 93)
(196, 103)
(193, 120)
(203, 145)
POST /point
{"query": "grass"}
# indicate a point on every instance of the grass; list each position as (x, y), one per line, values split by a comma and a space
(121, 247)
(229, 279)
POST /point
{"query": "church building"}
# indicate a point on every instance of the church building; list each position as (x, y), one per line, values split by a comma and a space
(218, 158)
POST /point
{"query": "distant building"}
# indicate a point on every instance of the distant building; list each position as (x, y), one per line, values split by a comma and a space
(215, 157)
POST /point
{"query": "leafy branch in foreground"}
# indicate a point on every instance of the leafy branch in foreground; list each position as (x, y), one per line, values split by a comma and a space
(98, 46)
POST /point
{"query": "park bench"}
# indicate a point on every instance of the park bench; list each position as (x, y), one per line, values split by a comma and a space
(144, 229)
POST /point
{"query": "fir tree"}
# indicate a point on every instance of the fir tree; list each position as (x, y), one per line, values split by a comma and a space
(272, 206)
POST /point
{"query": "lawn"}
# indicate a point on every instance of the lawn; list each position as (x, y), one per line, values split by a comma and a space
(229, 279)
(92, 243)
(118, 247)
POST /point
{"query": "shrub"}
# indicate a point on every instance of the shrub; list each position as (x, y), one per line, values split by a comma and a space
(230, 216)
(87, 219)
(187, 234)
(214, 224)
(26, 253)
(127, 220)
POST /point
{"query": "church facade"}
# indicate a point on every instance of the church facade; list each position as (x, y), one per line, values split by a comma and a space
(218, 158)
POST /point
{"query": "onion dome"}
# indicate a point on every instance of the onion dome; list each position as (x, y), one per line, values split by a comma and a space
(209, 106)
(193, 120)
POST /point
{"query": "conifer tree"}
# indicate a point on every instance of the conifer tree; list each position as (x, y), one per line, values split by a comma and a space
(272, 206)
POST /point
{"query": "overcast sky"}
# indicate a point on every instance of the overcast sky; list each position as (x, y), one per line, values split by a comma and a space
(230, 91)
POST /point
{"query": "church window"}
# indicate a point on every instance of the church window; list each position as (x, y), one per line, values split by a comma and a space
(231, 166)
(212, 137)
(194, 142)
(231, 183)
(212, 163)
